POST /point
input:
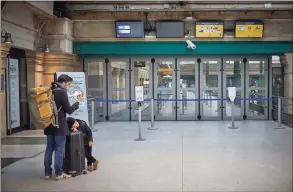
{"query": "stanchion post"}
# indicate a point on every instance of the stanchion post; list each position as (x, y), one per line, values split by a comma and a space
(139, 124)
(93, 115)
(233, 116)
(232, 96)
(139, 98)
(279, 114)
(152, 117)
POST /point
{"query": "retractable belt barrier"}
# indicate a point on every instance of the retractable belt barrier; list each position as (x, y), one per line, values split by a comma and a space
(152, 100)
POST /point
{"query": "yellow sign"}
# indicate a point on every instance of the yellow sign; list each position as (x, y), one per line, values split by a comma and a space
(209, 29)
(249, 29)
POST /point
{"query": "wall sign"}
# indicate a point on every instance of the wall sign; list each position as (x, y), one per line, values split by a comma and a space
(247, 29)
(208, 29)
(14, 99)
(78, 87)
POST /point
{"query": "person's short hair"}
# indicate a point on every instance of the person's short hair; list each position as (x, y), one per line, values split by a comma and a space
(64, 78)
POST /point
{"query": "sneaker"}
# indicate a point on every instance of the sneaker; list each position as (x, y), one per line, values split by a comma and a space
(95, 165)
(47, 177)
(63, 176)
(90, 168)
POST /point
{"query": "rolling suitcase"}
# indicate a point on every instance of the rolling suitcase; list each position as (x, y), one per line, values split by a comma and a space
(74, 158)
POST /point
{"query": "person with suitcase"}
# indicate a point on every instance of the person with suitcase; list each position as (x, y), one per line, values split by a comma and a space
(56, 136)
(77, 125)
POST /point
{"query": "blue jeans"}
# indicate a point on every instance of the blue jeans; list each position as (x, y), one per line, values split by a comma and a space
(57, 144)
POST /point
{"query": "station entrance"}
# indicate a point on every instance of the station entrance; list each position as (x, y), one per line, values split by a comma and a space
(184, 88)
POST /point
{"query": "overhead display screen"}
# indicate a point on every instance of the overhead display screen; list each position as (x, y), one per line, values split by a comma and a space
(214, 29)
(170, 29)
(130, 29)
(247, 29)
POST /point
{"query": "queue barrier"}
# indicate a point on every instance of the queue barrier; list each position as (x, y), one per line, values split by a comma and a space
(152, 127)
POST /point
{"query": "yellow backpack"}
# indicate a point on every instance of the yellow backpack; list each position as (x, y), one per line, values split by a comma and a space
(42, 107)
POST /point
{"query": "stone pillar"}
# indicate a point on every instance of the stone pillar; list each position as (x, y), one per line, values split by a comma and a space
(115, 82)
(59, 62)
(35, 68)
(57, 34)
(286, 61)
(4, 53)
(122, 83)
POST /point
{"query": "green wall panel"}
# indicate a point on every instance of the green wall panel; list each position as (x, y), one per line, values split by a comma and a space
(141, 48)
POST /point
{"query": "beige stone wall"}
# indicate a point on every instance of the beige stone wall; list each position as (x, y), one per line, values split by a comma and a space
(57, 34)
(20, 21)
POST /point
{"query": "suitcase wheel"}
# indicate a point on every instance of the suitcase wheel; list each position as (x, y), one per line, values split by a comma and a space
(84, 172)
(74, 175)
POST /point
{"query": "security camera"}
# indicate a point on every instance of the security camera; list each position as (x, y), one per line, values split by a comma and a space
(190, 44)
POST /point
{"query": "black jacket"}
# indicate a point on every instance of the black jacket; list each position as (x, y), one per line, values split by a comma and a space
(61, 100)
(83, 127)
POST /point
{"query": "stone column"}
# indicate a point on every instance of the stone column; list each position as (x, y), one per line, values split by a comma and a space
(3, 116)
(59, 62)
(35, 72)
(286, 61)
(122, 83)
(35, 68)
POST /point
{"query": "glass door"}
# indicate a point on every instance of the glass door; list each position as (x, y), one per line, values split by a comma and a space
(95, 71)
(118, 89)
(141, 75)
(187, 88)
(257, 88)
(165, 89)
(210, 88)
(233, 76)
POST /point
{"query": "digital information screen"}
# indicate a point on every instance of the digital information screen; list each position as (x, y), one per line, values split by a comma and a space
(247, 29)
(209, 29)
(170, 29)
(130, 29)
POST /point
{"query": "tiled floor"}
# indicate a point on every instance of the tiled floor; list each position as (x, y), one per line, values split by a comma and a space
(179, 156)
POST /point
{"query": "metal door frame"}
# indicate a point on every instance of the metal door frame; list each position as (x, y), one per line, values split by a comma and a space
(174, 84)
(219, 88)
(126, 89)
(195, 89)
(265, 88)
(224, 88)
(86, 60)
(132, 88)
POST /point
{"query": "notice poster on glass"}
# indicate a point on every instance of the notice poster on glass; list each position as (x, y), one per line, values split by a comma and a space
(78, 87)
(14, 100)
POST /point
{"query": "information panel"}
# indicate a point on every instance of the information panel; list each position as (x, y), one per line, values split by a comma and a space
(130, 29)
(170, 29)
(214, 29)
(247, 29)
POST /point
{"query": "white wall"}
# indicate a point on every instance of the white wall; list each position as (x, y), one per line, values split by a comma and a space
(18, 20)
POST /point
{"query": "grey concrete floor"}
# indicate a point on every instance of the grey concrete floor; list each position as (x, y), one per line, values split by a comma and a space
(179, 156)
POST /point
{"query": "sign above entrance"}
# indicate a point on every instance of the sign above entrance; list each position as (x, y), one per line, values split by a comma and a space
(208, 29)
(139, 63)
(232, 93)
(247, 29)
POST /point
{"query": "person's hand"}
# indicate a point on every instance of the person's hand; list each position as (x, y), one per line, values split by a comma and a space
(74, 129)
(90, 143)
(80, 97)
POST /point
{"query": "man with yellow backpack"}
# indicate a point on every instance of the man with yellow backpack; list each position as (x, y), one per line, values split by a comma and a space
(48, 109)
